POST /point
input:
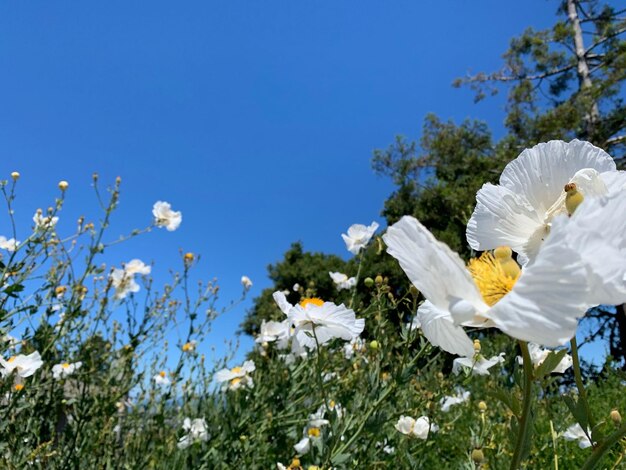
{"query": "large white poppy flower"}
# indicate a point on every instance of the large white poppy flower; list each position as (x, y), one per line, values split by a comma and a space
(358, 236)
(274, 331)
(518, 212)
(477, 365)
(317, 322)
(542, 305)
(24, 366)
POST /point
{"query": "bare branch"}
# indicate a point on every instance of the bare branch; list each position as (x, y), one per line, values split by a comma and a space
(605, 38)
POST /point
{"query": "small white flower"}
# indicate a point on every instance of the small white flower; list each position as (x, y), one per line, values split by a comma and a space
(24, 366)
(246, 282)
(164, 216)
(42, 222)
(196, 431)
(296, 287)
(274, 331)
(8, 244)
(303, 446)
(478, 366)
(538, 355)
(317, 322)
(359, 236)
(342, 281)
(448, 401)
(136, 266)
(419, 427)
(237, 377)
(162, 379)
(356, 344)
(61, 371)
(575, 433)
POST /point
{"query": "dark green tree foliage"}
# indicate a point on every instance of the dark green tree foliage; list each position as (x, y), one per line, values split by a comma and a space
(438, 185)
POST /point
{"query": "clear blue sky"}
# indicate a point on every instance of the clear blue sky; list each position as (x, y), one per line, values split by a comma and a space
(256, 119)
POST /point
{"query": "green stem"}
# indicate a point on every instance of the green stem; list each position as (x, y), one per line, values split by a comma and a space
(358, 275)
(582, 393)
(524, 420)
(603, 447)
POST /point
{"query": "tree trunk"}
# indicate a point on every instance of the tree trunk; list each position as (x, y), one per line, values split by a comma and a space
(584, 76)
(620, 317)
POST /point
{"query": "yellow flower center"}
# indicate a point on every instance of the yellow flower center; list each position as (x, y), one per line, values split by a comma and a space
(65, 365)
(304, 303)
(314, 432)
(493, 277)
(235, 381)
(18, 387)
(236, 370)
(187, 347)
(162, 374)
(11, 359)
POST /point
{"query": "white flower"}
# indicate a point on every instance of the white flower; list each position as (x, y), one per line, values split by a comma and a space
(303, 446)
(246, 282)
(196, 431)
(296, 287)
(576, 433)
(448, 401)
(164, 216)
(274, 331)
(44, 222)
(61, 371)
(478, 366)
(136, 266)
(8, 244)
(317, 322)
(356, 344)
(24, 366)
(543, 304)
(358, 236)
(538, 355)
(237, 377)
(123, 280)
(419, 427)
(162, 379)
(518, 212)
(342, 281)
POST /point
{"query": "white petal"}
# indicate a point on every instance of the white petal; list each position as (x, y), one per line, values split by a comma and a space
(440, 330)
(432, 266)
(540, 173)
(501, 217)
(281, 301)
(549, 297)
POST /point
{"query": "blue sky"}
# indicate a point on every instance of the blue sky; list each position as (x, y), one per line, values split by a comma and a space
(256, 119)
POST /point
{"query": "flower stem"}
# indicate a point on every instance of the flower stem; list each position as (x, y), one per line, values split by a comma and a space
(523, 433)
(582, 393)
(358, 274)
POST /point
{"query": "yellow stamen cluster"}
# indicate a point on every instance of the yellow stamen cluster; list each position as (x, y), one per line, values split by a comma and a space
(18, 387)
(65, 365)
(314, 432)
(492, 280)
(235, 381)
(311, 301)
(162, 373)
(187, 347)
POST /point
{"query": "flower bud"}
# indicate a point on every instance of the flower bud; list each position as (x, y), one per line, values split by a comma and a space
(482, 406)
(15, 176)
(369, 282)
(477, 346)
(63, 185)
(188, 258)
(374, 345)
(616, 417)
(478, 456)
(378, 280)
(414, 291)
